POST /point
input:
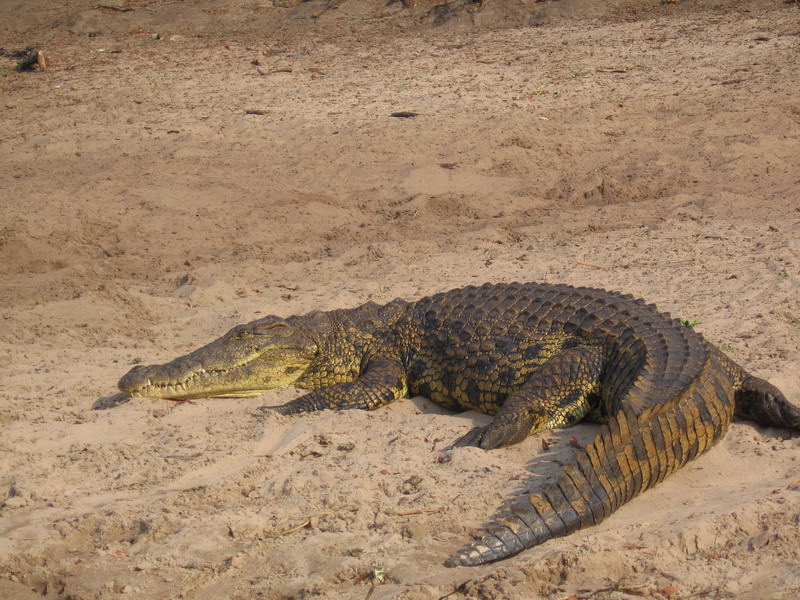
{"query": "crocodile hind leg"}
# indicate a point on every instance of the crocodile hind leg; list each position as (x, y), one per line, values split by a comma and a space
(557, 394)
(381, 382)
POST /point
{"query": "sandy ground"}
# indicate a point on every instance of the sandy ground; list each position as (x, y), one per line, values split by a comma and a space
(185, 166)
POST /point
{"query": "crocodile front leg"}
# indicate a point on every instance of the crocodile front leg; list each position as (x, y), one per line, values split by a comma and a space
(382, 381)
(555, 395)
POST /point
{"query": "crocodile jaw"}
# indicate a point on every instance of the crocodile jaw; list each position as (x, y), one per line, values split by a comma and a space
(247, 361)
(176, 381)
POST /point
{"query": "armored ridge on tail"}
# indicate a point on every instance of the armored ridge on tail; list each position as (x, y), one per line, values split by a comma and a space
(535, 356)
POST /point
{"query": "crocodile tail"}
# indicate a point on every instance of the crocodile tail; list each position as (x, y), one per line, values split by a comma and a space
(760, 401)
(629, 455)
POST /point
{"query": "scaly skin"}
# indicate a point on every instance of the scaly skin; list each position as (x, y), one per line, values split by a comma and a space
(535, 356)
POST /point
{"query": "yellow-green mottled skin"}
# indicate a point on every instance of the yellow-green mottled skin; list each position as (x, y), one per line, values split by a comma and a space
(536, 356)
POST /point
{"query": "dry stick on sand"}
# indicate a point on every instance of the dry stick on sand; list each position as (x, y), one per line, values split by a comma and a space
(593, 265)
(306, 522)
(302, 525)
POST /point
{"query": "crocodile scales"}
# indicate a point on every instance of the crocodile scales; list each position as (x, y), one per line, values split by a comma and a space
(536, 356)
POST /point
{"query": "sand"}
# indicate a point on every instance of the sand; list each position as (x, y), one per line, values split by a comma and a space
(185, 166)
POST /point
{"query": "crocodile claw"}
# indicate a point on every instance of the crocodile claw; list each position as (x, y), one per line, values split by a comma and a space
(502, 431)
(472, 438)
(263, 411)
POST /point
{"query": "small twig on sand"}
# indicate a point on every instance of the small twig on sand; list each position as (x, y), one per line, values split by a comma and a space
(306, 522)
(593, 265)
(302, 525)
(422, 511)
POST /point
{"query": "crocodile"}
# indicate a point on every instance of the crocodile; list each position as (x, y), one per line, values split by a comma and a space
(536, 356)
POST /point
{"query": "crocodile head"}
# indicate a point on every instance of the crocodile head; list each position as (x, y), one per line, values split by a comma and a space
(249, 360)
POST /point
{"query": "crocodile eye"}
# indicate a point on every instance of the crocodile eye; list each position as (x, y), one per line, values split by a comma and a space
(269, 327)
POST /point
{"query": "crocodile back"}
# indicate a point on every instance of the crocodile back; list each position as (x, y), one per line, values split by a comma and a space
(651, 358)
